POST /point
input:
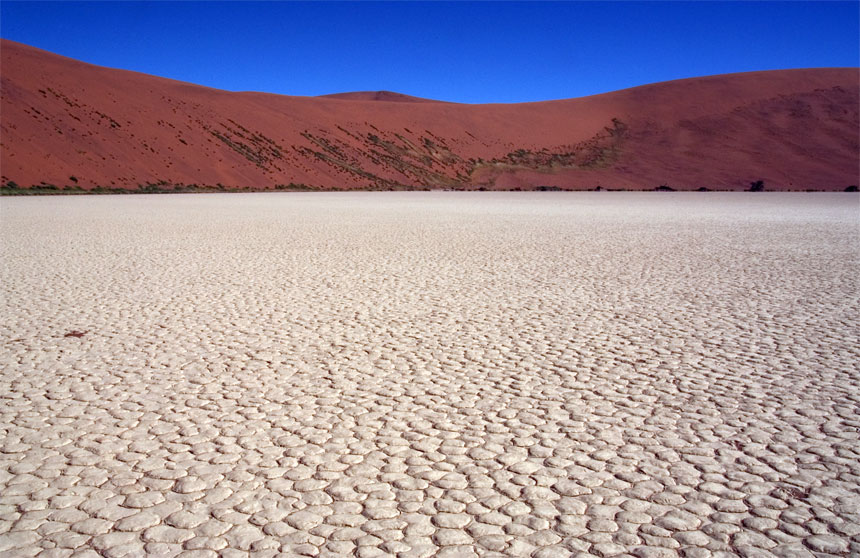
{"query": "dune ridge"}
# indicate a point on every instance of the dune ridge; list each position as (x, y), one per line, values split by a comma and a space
(68, 124)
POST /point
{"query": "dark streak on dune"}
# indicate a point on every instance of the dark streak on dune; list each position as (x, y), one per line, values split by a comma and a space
(65, 123)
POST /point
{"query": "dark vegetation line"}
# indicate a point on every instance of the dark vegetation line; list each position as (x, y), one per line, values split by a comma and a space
(10, 188)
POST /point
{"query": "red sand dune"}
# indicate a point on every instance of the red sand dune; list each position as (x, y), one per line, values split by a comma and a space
(61, 118)
(378, 96)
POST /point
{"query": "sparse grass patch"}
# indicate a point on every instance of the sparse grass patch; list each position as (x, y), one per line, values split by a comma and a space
(295, 187)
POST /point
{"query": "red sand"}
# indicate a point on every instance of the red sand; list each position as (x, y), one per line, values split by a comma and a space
(794, 129)
(378, 96)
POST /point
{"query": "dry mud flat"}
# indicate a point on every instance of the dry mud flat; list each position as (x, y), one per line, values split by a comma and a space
(547, 375)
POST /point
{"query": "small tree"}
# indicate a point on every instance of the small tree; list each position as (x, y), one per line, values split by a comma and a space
(757, 186)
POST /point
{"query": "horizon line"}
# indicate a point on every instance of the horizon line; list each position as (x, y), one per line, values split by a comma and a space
(334, 95)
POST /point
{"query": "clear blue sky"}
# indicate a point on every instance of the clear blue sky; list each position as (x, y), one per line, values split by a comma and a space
(465, 52)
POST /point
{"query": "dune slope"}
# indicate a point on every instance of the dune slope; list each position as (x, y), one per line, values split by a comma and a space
(71, 124)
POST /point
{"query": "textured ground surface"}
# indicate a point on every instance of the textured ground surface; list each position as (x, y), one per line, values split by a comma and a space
(541, 375)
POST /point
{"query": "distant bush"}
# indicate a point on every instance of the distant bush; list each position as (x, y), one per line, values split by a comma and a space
(757, 186)
(74, 179)
(664, 188)
(852, 188)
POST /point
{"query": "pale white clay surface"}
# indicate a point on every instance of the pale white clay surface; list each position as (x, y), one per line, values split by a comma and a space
(430, 374)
